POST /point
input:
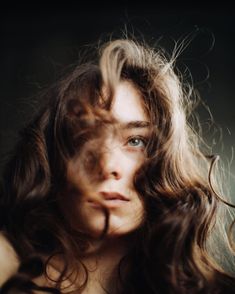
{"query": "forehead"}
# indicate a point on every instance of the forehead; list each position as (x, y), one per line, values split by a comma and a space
(128, 103)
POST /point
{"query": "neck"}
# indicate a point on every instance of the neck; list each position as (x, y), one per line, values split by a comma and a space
(102, 263)
(101, 260)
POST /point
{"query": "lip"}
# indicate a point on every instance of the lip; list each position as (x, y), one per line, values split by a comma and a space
(112, 196)
(110, 200)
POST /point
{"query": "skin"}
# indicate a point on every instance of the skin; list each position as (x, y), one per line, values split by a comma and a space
(123, 154)
(9, 262)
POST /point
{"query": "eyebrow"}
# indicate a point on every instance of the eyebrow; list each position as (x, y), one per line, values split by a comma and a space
(137, 124)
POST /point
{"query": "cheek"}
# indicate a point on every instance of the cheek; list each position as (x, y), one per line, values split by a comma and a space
(133, 162)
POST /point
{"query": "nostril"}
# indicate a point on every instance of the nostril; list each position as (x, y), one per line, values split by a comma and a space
(115, 174)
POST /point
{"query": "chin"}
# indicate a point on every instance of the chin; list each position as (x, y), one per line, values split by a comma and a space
(116, 228)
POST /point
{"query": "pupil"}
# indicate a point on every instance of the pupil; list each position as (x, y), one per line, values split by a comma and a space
(135, 141)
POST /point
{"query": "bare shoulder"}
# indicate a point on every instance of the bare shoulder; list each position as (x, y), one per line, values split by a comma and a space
(9, 261)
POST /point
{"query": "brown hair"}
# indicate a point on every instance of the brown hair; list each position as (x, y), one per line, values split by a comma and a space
(173, 252)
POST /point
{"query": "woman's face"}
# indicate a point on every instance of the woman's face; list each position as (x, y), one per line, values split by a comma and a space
(123, 153)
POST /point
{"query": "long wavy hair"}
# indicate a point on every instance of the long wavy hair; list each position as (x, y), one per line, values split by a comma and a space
(175, 249)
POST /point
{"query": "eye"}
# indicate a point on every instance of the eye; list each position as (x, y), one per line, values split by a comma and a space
(136, 142)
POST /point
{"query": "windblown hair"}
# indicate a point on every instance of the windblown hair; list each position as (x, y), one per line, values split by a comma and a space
(173, 251)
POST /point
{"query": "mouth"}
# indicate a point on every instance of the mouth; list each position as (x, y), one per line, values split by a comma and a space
(113, 196)
(110, 200)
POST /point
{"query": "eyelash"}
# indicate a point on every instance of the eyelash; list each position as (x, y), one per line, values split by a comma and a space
(143, 139)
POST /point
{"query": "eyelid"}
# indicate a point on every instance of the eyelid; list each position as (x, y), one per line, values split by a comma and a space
(143, 138)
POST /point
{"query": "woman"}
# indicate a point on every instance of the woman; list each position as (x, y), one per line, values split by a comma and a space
(108, 191)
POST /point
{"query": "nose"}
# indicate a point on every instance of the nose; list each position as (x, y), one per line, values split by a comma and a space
(111, 164)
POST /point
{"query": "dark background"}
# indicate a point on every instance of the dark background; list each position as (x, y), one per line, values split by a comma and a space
(36, 45)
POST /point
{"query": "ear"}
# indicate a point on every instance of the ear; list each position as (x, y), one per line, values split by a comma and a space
(9, 261)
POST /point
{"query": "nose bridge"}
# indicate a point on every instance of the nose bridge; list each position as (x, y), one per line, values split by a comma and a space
(111, 159)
